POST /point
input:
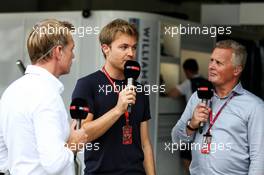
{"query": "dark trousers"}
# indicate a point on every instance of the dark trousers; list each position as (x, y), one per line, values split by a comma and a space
(2, 173)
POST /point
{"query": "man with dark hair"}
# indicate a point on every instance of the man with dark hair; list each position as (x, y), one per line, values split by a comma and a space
(187, 87)
(106, 121)
(191, 65)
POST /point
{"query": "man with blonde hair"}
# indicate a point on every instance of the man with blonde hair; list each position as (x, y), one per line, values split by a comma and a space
(106, 120)
(233, 137)
(33, 119)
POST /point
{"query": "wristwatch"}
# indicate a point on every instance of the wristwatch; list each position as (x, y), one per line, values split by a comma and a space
(189, 127)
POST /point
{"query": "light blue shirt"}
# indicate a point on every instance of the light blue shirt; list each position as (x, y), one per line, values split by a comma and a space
(237, 136)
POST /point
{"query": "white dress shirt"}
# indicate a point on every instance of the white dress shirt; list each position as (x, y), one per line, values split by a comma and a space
(3, 152)
(35, 126)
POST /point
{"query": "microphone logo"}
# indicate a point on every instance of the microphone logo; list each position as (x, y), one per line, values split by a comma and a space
(85, 109)
(133, 68)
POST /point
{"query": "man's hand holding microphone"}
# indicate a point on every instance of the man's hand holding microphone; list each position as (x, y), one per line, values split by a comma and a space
(202, 110)
(126, 96)
(200, 115)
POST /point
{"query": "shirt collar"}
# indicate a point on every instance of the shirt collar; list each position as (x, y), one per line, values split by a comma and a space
(32, 69)
(238, 90)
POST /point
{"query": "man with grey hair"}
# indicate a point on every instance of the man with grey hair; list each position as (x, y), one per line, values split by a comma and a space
(233, 135)
(35, 135)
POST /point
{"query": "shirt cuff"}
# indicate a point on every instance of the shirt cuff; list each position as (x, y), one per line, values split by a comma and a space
(179, 133)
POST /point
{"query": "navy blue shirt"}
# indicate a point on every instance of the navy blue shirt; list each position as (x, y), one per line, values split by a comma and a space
(112, 157)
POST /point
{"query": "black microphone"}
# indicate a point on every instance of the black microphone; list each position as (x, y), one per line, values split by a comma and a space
(131, 72)
(205, 93)
(79, 110)
(21, 66)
